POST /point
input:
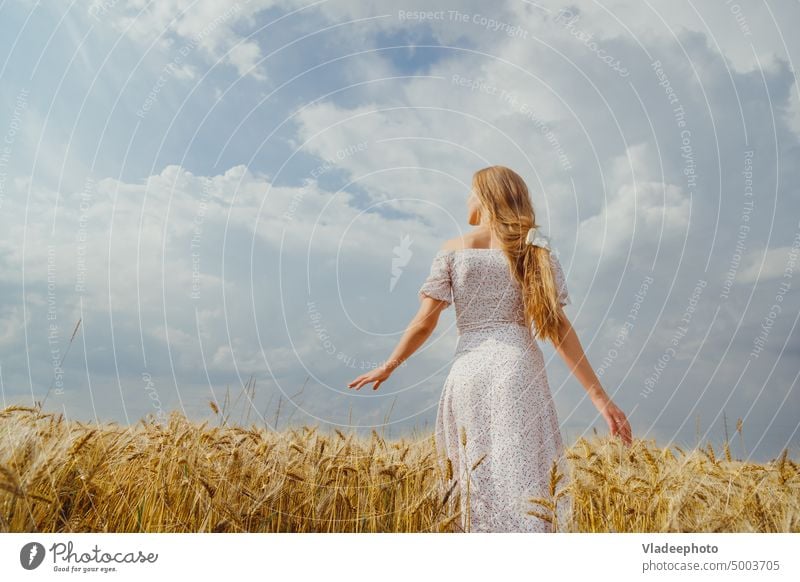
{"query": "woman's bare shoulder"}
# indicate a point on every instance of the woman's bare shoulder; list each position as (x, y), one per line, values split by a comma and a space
(453, 244)
(467, 241)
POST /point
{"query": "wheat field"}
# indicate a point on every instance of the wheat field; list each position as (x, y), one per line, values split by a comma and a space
(180, 476)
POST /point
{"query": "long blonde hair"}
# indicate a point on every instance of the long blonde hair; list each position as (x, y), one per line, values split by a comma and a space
(504, 196)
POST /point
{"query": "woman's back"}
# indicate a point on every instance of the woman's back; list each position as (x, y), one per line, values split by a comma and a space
(480, 284)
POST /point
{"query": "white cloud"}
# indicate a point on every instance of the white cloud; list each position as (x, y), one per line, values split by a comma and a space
(183, 25)
(758, 266)
(655, 211)
(245, 56)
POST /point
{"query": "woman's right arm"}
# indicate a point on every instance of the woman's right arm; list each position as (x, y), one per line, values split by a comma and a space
(572, 353)
(417, 332)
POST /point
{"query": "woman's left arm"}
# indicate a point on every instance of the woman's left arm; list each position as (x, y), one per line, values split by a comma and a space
(419, 330)
(571, 351)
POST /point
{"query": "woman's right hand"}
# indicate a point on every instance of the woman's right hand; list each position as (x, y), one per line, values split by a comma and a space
(377, 376)
(617, 421)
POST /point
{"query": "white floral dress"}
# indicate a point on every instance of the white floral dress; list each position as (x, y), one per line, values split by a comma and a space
(497, 392)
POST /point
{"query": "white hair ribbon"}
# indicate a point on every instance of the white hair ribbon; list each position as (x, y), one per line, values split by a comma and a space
(537, 239)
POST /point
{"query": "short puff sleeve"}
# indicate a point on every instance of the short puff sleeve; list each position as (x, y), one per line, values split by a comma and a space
(439, 282)
(560, 279)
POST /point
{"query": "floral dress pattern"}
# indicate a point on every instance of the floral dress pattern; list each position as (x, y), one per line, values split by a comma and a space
(496, 394)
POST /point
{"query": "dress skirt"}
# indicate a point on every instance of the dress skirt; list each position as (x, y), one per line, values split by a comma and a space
(497, 398)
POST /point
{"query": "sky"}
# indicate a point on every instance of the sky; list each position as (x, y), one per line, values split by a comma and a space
(238, 202)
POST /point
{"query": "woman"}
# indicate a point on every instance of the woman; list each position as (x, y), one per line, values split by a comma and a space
(496, 422)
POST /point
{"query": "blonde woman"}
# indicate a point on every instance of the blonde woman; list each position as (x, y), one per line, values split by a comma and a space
(496, 410)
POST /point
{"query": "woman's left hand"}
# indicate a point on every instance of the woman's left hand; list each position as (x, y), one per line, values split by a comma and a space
(378, 376)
